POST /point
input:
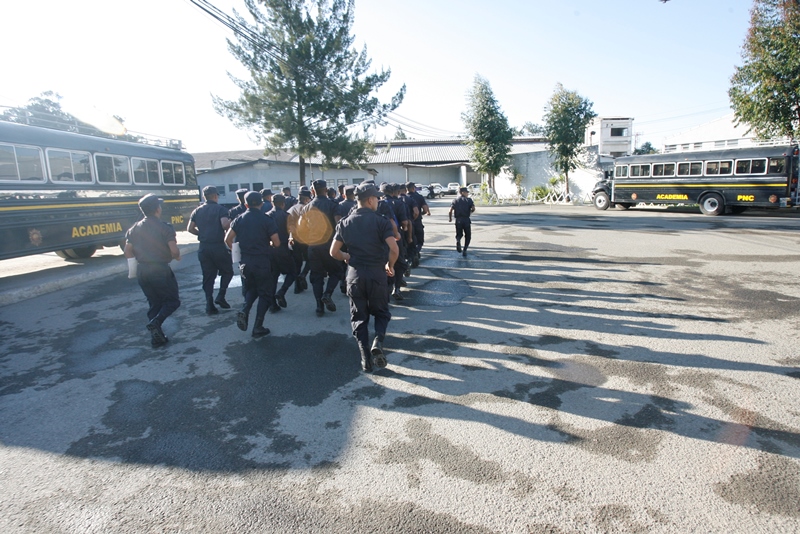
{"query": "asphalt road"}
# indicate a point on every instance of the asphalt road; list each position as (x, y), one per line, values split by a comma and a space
(580, 371)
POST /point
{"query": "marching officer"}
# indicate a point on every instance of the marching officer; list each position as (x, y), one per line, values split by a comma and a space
(419, 228)
(209, 222)
(150, 245)
(239, 208)
(462, 207)
(255, 232)
(282, 260)
(371, 254)
(298, 247)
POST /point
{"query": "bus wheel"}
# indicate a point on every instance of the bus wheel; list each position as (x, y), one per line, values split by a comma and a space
(712, 204)
(601, 201)
(76, 253)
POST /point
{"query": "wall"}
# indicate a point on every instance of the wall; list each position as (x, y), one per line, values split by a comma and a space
(395, 173)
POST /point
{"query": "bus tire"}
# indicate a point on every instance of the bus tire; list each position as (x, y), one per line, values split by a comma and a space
(77, 253)
(601, 201)
(712, 204)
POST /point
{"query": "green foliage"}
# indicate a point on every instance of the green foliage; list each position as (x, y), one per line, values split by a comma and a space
(646, 148)
(765, 90)
(488, 134)
(399, 135)
(566, 117)
(308, 90)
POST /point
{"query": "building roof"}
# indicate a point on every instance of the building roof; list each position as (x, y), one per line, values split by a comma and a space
(406, 151)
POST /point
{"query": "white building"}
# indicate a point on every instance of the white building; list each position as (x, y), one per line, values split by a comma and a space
(719, 133)
(611, 135)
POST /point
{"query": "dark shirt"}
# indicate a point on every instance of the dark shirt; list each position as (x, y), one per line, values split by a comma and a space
(344, 207)
(207, 219)
(420, 200)
(236, 211)
(266, 207)
(150, 238)
(462, 207)
(365, 234)
(281, 219)
(410, 203)
(400, 210)
(253, 232)
(289, 201)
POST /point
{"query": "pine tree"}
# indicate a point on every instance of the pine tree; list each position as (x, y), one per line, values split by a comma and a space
(309, 91)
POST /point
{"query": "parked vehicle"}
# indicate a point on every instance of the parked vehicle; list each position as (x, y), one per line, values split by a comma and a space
(474, 189)
(452, 188)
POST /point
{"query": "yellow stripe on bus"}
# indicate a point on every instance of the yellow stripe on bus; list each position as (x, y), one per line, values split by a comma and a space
(92, 205)
(629, 186)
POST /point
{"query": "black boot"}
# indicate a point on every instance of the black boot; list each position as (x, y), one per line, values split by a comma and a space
(320, 308)
(258, 328)
(210, 308)
(220, 300)
(157, 335)
(242, 320)
(458, 246)
(366, 359)
(328, 302)
(377, 353)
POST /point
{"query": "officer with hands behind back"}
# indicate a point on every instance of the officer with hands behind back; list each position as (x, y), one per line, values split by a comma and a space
(371, 254)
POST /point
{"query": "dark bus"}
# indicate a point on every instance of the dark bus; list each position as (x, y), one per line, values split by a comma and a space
(716, 180)
(73, 193)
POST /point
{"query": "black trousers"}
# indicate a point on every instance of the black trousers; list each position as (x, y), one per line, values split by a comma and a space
(369, 297)
(258, 284)
(215, 258)
(464, 227)
(283, 263)
(160, 287)
(323, 265)
(419, 234)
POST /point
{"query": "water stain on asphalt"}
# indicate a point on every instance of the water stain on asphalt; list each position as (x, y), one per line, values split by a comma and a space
(772, 487)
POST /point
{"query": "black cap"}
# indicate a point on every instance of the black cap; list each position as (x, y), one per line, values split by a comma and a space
(317, 184)
(149, 203)
(304, 193)
(241, 193)
(367, 190)
(410, 184)
(279, 199)
(253, 199)
(463, 190)
(349, 189)
(266, 192)
(210, 190)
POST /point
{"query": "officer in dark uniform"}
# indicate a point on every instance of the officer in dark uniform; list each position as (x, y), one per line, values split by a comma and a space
(419, 228)
(404, 222)
(413, 210)
(299, 249)
(240, 208)
(153, 244)
(254, 232)
(282, 260)
(315, 227)
(266, 195)
(289, 200)
(343, 209)
(462, 207)
(371, 254)
(209, 223)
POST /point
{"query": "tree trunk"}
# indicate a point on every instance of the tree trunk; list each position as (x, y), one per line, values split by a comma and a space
(566, 185)
(302, 161)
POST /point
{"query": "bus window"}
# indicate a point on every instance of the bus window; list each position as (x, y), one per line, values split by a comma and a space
(759, 166)
(646, 170)
(712, 167)
(122, 170)
(635, 170)
(658, 169)
(105, 169)
(620, 171)
(669, 169)
(68, 166)
(8, 163)
(167, 172)
(725, 167)
(696, 168)
(777, 165)
(743, 166)
(145, 171)
(683, 169)
(173, 173)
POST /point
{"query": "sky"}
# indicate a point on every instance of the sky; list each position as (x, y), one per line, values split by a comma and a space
(157, 63)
